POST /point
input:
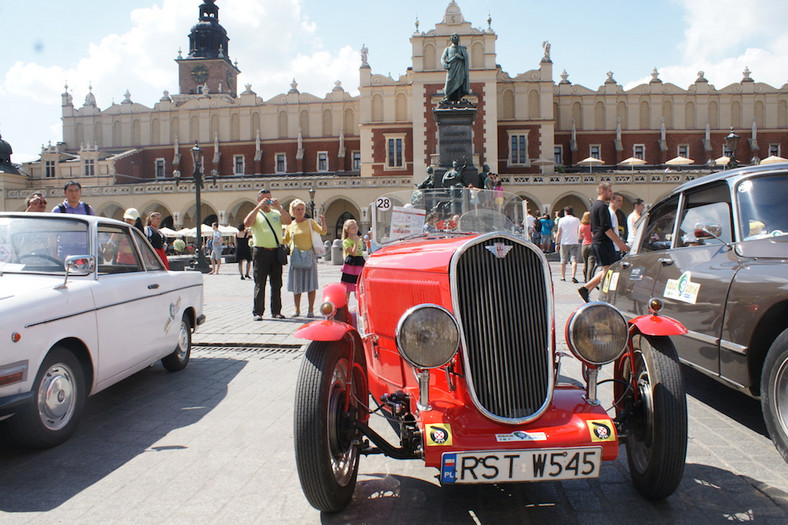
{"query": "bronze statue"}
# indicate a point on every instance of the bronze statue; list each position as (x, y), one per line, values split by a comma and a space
(428, 182)
(455, 61)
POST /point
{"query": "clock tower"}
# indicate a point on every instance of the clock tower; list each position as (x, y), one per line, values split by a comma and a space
(207, 66)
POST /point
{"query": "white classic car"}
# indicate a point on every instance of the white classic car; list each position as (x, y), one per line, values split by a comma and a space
(84, 303)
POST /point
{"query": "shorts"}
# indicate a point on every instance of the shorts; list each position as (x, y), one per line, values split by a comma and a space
(570, 252)
(606, 253)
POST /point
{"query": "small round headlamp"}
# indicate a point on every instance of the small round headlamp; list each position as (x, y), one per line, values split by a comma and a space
(328, 309)
(428, 336)
(597, 333)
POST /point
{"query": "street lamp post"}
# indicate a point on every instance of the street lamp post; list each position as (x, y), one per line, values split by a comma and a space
(200, 262)
(730, 142)
(312, 200)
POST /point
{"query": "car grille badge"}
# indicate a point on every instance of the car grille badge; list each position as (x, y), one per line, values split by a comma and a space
(499, 249)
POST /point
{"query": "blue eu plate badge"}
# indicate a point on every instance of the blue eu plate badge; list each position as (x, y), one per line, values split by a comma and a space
(448, 468)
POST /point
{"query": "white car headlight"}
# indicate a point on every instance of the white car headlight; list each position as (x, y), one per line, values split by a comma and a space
(597, 333)
(428, 336)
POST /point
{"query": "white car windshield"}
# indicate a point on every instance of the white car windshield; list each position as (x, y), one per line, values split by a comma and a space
(39, 244)
(444, 212)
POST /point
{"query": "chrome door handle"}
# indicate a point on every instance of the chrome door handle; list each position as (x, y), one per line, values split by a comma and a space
(153, 286)
(625, 264)
(667, 261)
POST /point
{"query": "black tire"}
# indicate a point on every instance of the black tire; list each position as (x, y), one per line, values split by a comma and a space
(326, 444)
(179, 358)
(59, 393)
(656, 430)
(774, 393)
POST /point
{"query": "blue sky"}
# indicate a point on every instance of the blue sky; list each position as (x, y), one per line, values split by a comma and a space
(131, 45)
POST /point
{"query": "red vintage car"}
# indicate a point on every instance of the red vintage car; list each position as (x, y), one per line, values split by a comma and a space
(454, 343)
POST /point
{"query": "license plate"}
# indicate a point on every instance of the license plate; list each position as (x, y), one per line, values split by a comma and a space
(520, 465)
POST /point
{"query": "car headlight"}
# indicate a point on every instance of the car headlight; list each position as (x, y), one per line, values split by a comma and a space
(428, 336)
(597, 333)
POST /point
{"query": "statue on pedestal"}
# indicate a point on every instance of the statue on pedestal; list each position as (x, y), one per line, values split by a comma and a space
(456, 62)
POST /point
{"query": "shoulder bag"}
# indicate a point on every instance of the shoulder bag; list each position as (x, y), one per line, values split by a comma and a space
(282, 251)
(317, 242)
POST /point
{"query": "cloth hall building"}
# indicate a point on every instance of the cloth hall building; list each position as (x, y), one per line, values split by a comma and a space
(531, 128)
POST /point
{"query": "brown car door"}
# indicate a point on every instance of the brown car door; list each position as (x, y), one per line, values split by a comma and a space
(694, 276)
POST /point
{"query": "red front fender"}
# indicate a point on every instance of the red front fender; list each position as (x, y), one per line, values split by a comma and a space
(324, 331)
(658, 325)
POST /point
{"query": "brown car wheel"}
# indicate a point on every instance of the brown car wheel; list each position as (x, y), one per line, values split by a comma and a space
(774, 393)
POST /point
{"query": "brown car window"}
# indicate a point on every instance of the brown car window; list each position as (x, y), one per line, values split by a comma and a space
(709, 206)
(762, 209)
(659, 230)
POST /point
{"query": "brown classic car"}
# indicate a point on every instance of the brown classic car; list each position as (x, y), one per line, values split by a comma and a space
(715, 250)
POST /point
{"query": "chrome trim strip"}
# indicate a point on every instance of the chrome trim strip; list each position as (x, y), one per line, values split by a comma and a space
(733, 347)
(75, 314)
(703, 338)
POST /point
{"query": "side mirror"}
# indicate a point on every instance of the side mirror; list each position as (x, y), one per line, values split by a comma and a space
(708, 231)
(78, 265)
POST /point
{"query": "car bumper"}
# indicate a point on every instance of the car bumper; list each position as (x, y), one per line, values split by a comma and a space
(569, 422)
(9, 405)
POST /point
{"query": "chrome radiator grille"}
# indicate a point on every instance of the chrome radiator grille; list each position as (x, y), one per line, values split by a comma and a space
(503, 306)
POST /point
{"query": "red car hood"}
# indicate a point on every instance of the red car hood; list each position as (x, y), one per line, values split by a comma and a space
(423, 254)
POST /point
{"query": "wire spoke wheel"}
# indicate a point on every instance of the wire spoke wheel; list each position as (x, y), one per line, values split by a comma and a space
(656, 425)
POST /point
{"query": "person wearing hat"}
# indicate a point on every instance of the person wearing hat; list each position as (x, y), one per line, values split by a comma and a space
(73, 201)
(266, 221)
(132, 216)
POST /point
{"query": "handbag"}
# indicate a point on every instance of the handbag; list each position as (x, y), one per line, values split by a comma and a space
(282, 251)
(301, 259)
(317, 243)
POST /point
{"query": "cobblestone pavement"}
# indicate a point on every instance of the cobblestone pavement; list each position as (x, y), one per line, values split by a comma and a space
(213, 444)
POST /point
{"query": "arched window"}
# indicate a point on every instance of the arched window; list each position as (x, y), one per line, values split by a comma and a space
(759, 114)
(255, 125)
(599, 115)
(689, 116)
(736, 115)
(98, 133)
(155, 132)
(533, 104)
(194, 130)
(282, 124)
(328, 125)
(117, 133)
(577, 115)
(782, 114)
(377, 108)
(214, 127)
(429, 57)
(507, 105)
(477, 55)
(645, 115)
(175, 125)
(303, 123)
(401, 108)
(714, 115)
(621, 114)
(235, 127)
(667, 113)
(349, 124)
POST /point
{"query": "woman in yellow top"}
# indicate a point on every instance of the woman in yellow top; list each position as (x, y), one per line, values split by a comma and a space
(299, 236)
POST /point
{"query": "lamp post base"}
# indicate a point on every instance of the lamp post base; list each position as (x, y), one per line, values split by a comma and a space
(199, 263)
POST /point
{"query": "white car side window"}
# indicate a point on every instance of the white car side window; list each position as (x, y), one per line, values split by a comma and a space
(117, 252)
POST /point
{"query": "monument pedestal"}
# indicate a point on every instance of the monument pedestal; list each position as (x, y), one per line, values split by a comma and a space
(455, 143)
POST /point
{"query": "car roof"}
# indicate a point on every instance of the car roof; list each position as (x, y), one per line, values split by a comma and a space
(726, 175)
(90, 219)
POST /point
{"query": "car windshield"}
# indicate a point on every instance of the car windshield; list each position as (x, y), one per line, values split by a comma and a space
(762, 209)
(40, 244)
(443, 212)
